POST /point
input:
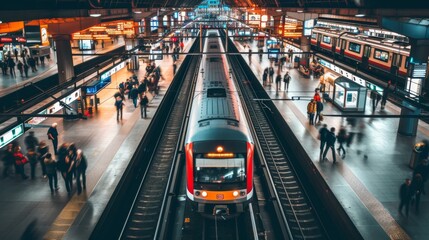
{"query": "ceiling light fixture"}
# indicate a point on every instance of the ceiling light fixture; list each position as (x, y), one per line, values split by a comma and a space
(360, 15)
(278, 10)
(137, 12)
(300, 11)
(95, 14)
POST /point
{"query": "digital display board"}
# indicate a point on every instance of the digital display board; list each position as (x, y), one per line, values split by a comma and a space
(273, 53)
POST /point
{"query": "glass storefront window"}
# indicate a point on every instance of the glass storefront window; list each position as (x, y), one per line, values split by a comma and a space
(339, 95)
(351, 99)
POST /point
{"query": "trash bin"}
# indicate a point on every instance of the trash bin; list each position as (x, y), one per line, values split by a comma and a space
(296, 62)
(415, 154)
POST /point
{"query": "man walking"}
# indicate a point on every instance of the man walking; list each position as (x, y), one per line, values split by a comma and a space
(330, 144)
(311, 110)
(143, 105)
(405, 196)
(53, 135)
(323, 133)
(286, 80)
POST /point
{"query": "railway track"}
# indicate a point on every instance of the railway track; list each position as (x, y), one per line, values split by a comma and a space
(138, 207)
(144, 218)
(295, 210)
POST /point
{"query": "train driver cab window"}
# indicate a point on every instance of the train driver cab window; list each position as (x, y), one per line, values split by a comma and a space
(354, 47)
(327, 39)
(229, 170)
(381, 55)
(216, 92)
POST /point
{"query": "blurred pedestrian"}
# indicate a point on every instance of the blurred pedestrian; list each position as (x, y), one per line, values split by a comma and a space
(330, 144)
(134, 94)
(342, 138)
(62, 164)
(319, 108)
(286, 80)
(144, 101)
(311, 110)
(265, 76)
(417, 188)
(81, 165)
(8, 159)
(405, 196)
(53, 135)
(174, 67)
(31, 142)
(278, 82)
(51, 171)
(20, 161)
(271, 73)
(119, 104)
(316, 96)
(32, 158)
(323, 133)
(42, 151)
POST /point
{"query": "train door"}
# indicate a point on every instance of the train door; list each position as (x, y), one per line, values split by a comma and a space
(396, 63)
(366, 55)
(319, 39)
(334, 44)
(343, 46)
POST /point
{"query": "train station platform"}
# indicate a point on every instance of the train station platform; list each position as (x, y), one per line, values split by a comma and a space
(367, 187)
(28, 207)
(9, 83)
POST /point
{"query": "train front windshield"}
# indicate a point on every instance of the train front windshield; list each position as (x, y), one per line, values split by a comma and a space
(229, 170)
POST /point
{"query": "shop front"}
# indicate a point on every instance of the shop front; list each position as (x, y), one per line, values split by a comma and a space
(8, 45)
(348, 95)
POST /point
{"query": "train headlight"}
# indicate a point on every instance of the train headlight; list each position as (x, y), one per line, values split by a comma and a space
(235, 193)
(197, 193)
(204, 194)
(242, 193)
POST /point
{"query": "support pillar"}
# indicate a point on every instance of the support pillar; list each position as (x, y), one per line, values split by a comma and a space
(418, 71)
(408, 126)
(168, 22)
(160, 24)
(147, 32)
(64, 57)
(277, 25)
(305, 47)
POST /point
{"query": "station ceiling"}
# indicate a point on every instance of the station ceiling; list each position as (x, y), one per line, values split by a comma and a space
(25, 10)
(93, 4)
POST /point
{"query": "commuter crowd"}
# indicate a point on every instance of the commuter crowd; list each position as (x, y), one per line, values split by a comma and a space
(23, 62)
(67, 160)
(411, 190)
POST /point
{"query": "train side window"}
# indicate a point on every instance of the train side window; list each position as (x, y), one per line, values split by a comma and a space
(326, 39)
(381, 55)
(313, 35)
(354, 47)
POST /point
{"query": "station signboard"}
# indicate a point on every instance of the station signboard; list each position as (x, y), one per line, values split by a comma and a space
(273, 53)
(155, 55)
(11, 135)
